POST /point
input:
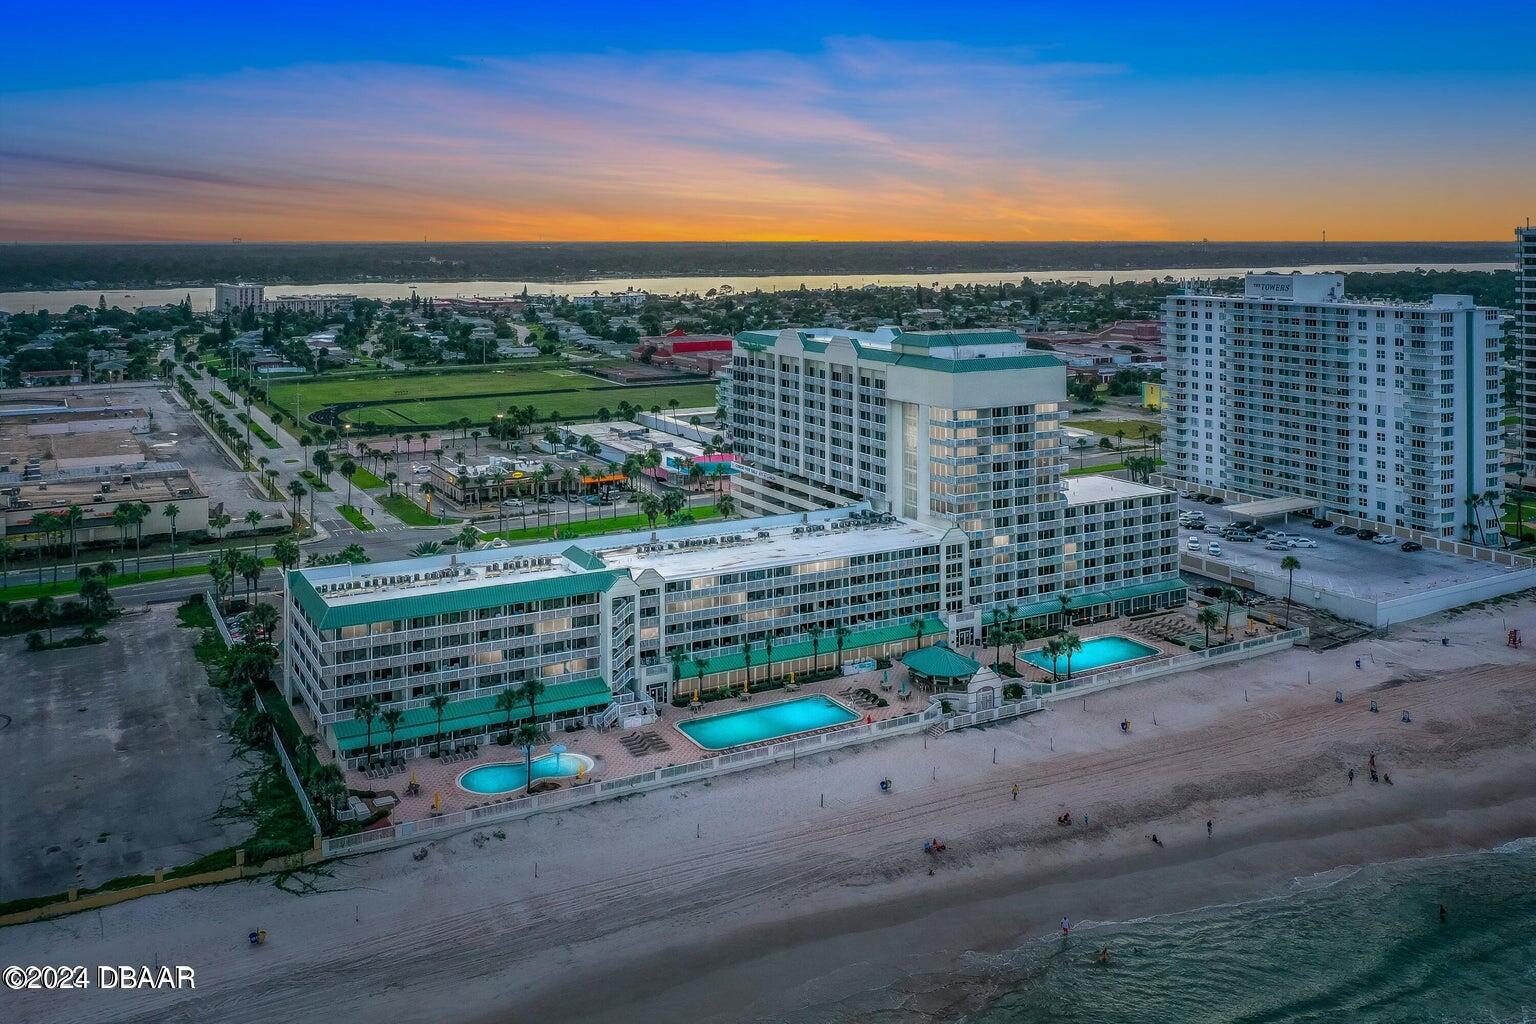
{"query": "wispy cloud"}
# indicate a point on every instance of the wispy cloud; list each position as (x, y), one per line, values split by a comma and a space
(863, 139)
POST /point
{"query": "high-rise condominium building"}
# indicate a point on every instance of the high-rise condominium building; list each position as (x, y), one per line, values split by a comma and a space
(1525, 327)
(957, 428)
(1385, 410)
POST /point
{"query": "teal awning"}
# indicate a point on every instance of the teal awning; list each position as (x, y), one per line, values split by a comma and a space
(1079, 602)
(894, 633)
(940, 661)
(475, 713)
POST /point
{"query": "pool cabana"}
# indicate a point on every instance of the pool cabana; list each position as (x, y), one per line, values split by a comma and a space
(940, 667)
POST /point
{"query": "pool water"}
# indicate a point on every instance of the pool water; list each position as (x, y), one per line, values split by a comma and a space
(768, 722)
(489, 779)
(1098, 652)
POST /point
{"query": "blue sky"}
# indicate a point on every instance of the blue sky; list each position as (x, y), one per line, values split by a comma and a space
(768, 121)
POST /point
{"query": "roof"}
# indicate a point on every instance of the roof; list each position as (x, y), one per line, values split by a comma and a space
(1080, 601)
(892, 633)
(889, 345)
(1084, 490)
(940, 661)
(358, 609)
(474, 712)
(1265, 507)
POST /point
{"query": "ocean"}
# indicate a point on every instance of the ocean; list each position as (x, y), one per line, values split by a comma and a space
(1361, 945)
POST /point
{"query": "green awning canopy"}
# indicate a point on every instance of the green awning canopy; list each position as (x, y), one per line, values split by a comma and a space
(894, 633)
(475, 713)
(940, 661)
(1079, 602)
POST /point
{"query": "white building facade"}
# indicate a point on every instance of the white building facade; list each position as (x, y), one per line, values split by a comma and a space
(1525, 332)
(956, 428)
(1385, 410)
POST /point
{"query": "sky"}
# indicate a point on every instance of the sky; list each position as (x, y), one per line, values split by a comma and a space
(767, 122)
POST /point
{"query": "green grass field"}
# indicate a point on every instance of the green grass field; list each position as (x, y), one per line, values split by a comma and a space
(569, 405)
(365, 479)
(354, 517)
(540, 375)
(408, 512)
(1132, 428)
(593, 527)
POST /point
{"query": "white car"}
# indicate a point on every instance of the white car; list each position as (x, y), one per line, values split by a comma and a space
(1193, 545)
(1276, 545)
(1215, 549)
(1303, 542)
(421, 469)
(1384, 538)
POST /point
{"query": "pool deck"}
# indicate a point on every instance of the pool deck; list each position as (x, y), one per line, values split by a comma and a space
(612, 759)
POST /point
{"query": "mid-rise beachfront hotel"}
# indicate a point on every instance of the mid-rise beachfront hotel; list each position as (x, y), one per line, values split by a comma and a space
(1385, 410)
(963, 513)
(1525, 328)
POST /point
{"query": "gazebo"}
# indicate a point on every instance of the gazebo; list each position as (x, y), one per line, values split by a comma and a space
(940, 667)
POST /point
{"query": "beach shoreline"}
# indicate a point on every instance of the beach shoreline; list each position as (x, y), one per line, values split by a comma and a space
(746, 899)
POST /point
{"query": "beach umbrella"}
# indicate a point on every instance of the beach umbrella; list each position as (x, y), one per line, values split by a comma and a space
(557, 750)
(437, 801)
(413, 776)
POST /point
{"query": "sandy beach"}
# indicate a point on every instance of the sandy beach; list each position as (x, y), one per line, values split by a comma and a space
(802, 893)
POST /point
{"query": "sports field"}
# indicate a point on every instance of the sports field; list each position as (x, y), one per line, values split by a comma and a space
(441, 398)
(569, 404)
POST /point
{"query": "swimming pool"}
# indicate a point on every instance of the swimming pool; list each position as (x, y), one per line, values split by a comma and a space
(1098, 652)
(768, 722)
(505, 777)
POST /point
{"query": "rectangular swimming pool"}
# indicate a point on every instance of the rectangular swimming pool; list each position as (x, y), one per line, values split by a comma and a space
(1098, 653)
(768, 722)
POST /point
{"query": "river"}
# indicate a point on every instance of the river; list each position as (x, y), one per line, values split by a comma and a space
(202, 298)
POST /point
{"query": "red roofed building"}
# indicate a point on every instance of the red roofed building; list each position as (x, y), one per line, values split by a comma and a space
(698, 353)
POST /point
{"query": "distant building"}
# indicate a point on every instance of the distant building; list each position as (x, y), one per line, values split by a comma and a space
(228, 298)
(49, 378)
(1525, 328)
(1385, 410)
(1151, 395)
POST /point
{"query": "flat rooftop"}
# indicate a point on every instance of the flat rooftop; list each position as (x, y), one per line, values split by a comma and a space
(674, 553)
(1342, 565)
(1085, 490)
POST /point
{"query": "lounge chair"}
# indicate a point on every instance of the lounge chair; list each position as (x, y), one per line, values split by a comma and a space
(845, 692)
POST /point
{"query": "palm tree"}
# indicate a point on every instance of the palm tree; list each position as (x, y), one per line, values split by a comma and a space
(725, 506)
(1208, 617)
(140, 513)
(365, 711)
(1066, 610)
(1071, 643)
(425, 548)
(746, 659)
(815, 630)
(1290, 563)
(841, 635)
(700, 666)
(527, 737)
(678, 659)
(993, 638)
(917, 631)
(297, 489)
(219, 521)
(170, 512)
(7, 550)
(72, 518)
(768, 657)
(1230, 597)
(532, 690)
(286, 551)
(347, 468)
(507, 701)
(391, 720)
(1052, 650)
(42, 525)
(122, 518)
(467, 538)
(390, 478)
(439, 704)
(253, 520)
(650, 508)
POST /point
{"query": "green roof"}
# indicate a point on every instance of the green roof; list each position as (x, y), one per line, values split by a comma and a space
(1081, 601)
(893, 633)
(583, 558)
(442, 601)
(760, 340)
(474, 713)
(940, 661)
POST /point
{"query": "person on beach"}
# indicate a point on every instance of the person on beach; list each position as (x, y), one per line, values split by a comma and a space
(1104, 955)
(1442, 913)
(1351, 776)
(1015, 792)
(1208, 826)
(1066, 926)
(1155, 841)
(1387, 778)
(1373, 759)
(1374, 776)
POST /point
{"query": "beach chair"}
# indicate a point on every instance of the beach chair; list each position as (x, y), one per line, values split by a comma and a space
(846, 691)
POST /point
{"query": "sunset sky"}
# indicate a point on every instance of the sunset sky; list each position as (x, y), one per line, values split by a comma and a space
(767, 121)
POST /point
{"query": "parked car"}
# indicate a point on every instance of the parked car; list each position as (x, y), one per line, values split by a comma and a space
(1302, 542)
(1215, 549)
(1193, 545)
(1267, 535)
(1318, 524)
(1344, 531)
(1211, 499)
(1186, 495)
(1277, 545)
(1385, 538)
(1240, 536)
(1412, 545)
(1366, 534)
(1251, 528)
(514, 503)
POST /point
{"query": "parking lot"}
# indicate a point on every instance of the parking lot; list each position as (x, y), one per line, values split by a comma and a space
(118, 758)
(1342, 565)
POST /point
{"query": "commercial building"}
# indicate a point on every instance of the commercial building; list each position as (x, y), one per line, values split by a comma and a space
(599, 621)
(957, 429)
(1525, 328)
(1385, 410)
(229, 298)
